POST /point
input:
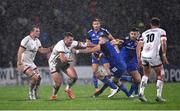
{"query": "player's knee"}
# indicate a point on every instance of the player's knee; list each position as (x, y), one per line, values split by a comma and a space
(57, 84)
(161, 77)
(74, 79)
(99, 74)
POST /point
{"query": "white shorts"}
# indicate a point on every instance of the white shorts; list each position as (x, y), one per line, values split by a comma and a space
(31, 65)
(58, 66)
(152, 61)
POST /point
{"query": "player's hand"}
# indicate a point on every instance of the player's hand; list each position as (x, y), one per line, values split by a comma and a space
(140, 62)
(165, 60)
(73, 51)
(20, 66)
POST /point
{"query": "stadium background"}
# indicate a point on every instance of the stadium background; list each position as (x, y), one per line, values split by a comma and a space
(59, 16)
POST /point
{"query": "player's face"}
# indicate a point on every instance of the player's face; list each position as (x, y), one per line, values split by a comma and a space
(102, 40)
(36, 32)
(68, 41)
(133, 35)
(96, 25)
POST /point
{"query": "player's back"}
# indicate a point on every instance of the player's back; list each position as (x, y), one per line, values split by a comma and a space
(128, 49)
(111, 52)
(152, 42)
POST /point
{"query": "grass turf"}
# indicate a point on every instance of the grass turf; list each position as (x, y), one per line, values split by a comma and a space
(15, 97)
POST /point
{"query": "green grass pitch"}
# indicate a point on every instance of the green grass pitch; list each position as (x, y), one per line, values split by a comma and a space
(15, 97)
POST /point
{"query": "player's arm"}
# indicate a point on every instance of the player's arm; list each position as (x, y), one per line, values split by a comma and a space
(138, 51)
(117, 42)
(45, 50)
(164, 48)
(19, 55)
(63, 58)
(88, 50)
(110, 37)
(85, 44)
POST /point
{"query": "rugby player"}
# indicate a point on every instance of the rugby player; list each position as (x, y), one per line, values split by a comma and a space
(29, 46)
(97, 57)
(152, 42)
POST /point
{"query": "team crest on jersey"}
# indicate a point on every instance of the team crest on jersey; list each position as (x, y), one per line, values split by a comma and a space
(101, 33)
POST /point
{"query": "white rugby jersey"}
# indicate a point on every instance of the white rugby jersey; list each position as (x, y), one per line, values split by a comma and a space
(31, 47)
(152, 42)
(61, 47)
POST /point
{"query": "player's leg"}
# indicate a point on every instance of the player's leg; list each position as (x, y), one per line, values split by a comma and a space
(121, 86)
(144, 80)
(33, 80)
(71, 72)
(136, 81)
(56, 77)
(95, 79)
(101, 75)
(159, 85)
(37, 83)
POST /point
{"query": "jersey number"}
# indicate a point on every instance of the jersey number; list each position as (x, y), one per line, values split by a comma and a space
(150, 38)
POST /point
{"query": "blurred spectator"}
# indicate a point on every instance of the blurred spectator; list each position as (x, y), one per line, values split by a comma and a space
(59, 16)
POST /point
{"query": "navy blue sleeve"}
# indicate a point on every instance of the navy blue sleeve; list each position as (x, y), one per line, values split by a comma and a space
(88, 36)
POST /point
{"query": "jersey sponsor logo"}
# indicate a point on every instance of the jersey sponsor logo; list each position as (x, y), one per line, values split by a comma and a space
(114, 69)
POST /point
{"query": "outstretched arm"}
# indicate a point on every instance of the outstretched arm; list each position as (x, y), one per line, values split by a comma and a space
(45, 50)
(88, 50)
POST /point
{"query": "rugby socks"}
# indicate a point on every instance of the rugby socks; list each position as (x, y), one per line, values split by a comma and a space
(109, 83)
(95, 81)
(159, 86)
(134, 88)
(143, 84)
(124, 89)
(71, 82)
(37, 85)
(55, 90)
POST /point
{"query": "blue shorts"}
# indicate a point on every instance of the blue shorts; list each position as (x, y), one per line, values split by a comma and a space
(117, 71)
(101, 61)
(132, 67)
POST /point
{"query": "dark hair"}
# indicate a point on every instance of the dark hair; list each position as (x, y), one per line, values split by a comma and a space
(34, 26)
(103, 35)
(134, 29)
(68, 34)
(155, 21)
(96, 20)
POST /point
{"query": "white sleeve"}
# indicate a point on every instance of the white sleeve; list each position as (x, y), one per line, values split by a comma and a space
(141, 38)
(74, 43)
(39, 43)
(24, 42)
(163, 34)
(60, 47)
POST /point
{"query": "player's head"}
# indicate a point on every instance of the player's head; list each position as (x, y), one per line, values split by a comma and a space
(35, 31)
(103, 38)
(96, 24)
(134, 33)
(68, 38)
(155, 22)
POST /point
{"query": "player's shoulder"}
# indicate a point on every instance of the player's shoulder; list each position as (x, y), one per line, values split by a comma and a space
(161, 30)
(126, 38)
(103, 29)
(26, 37)
(61, 42)
(146, 31)
(90, 31)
